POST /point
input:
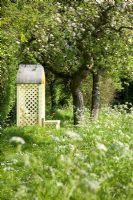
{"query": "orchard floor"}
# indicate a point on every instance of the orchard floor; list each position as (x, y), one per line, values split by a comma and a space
(91, 162)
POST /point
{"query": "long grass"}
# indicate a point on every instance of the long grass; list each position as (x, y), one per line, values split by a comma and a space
(91, 162)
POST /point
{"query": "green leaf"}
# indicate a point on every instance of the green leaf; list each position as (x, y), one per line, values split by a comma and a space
(23, 37)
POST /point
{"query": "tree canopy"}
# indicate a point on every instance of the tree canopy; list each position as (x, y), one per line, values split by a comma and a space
(69, 38)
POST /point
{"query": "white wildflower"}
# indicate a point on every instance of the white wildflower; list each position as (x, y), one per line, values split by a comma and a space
(93, 185)
(74, 34)
(2, 164)
(116, 158)
(55, 138)
(18, 140)
(71, 9)
(58, 3)
(80, 155)
(58, 19)
(65, 159)
(34, 145)
(89, 166)
(52, 45)
(59, 184)
(98, 137)
(82, 29)
(73, 135)
(73, 25)
(72, 147)
(14, 161)
(51, 35)
(80, 8)
(62, 158)
(83, 172)
(8, 168)
(21, 192)
(17, 42)
(101, 147)
(106, 177)
(99, 1)
(120, 143)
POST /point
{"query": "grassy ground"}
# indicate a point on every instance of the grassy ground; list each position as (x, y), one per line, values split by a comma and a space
(92, 162)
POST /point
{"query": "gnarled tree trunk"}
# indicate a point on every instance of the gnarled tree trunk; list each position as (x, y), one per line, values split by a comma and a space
(95, 96)
(78, 102)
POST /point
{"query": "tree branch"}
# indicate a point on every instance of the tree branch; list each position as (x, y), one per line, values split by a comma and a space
(57, 73)
(125, 27)
(48, 67)
(120, 28)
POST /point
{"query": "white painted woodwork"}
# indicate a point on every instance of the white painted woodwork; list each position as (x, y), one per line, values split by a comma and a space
(30, 95)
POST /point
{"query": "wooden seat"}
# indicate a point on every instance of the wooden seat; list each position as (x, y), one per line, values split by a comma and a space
(51, 122)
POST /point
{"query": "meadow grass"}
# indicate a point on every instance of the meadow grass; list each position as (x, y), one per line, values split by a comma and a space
(90, 162)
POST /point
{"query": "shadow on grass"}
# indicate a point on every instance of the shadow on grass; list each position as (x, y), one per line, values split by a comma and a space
(8, 133)
(32, 135)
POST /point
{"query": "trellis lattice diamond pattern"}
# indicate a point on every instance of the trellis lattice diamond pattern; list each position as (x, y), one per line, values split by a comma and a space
(28, 104)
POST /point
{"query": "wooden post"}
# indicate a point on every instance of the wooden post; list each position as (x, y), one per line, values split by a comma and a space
(43, 121)
(18, 113)
(40, 106)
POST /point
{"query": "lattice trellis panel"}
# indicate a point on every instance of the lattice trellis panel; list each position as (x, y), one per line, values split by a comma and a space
(28, 104)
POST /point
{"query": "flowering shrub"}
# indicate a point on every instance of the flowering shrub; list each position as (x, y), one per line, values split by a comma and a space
(90, 162)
